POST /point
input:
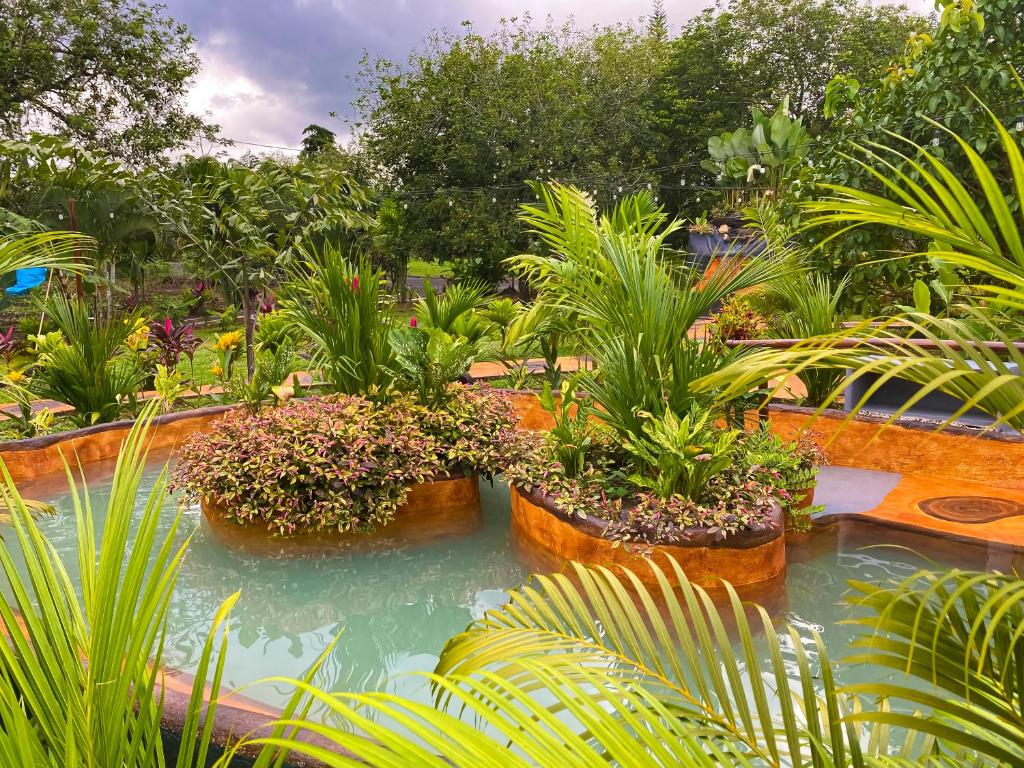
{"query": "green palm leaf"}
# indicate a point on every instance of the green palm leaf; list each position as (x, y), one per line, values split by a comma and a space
(57, 250)
(80, 674)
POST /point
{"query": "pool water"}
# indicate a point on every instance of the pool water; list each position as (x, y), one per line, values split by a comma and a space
(395, 607)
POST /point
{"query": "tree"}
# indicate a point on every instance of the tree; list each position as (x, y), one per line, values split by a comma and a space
(756, 53)
(460, 127)
(49, 183)
(247, 221)
(657, 22)
(111, 74)
(970, 54)
(315, 140)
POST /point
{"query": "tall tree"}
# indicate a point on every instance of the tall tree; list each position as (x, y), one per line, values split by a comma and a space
(973, 52)
(740, 54)
(462, 125)
(111, 74)
(316, 140)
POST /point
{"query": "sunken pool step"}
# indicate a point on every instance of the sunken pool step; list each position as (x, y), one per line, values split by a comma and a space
(447, 507)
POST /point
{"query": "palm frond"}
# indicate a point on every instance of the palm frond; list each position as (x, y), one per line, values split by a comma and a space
(69, 251)
(962, 634)
(81, 673)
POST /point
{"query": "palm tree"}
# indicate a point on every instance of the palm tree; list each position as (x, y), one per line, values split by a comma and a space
(634, 299)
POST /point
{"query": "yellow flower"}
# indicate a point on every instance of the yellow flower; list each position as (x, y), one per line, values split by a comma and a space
(139, 339)
(16, 377)
(228, 341)
(216, 370)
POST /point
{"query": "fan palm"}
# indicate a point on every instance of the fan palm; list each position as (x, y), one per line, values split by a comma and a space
(981, 233)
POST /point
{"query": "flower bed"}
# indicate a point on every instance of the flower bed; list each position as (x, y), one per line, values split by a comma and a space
(341, 463)
(706, 555)
(761, 480)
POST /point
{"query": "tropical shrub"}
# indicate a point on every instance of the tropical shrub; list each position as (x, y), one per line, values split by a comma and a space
(768, 153)
(634, 300)
(170, 340)
(335, 306)
(976, 49)
(428, 360)
(90, 369)
(788, 466)
(339, 462)
(272, 368)
(736, 320)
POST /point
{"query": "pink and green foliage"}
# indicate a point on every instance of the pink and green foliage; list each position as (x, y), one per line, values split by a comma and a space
(733, 501)
(170, 341)
(340, 462)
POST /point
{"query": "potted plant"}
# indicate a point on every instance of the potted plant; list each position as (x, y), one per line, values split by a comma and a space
(702, 241)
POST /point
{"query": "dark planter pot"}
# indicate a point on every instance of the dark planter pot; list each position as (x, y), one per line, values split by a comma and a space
(706, 247)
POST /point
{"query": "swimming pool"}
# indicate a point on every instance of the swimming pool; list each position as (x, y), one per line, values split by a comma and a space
(396, 606)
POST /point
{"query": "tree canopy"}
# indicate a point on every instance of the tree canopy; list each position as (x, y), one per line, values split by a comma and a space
(110, 74)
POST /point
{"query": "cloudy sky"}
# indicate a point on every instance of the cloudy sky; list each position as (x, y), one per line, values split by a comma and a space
(271, 67)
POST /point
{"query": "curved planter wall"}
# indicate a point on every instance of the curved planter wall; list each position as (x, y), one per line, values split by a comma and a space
(443, 508)
(746, 558)
(30, 458)
(907, 447)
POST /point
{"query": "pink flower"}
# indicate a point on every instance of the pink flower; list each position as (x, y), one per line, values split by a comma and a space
(168, 326)
(355, 283)
(412, 322)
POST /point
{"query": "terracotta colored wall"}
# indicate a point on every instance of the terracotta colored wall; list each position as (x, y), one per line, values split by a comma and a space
(27, 459)
(432, 512)
(703, 565)
(993, 460)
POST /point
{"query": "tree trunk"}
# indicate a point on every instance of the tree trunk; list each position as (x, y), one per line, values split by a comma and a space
(250, 326)
(73, 221)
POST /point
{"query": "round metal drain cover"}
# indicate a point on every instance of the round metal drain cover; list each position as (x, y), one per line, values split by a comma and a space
(971, 509)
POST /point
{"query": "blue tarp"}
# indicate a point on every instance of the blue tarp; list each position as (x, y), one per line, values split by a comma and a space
(27, 279)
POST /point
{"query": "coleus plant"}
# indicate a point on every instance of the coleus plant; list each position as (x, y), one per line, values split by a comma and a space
(341, 462)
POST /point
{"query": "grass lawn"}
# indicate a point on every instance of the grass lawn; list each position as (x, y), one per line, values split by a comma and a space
(419, 268)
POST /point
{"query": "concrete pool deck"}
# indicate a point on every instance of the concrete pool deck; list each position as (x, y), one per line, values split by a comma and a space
(891, 499)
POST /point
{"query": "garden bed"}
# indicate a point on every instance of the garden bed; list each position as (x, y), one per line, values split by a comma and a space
(747, 557)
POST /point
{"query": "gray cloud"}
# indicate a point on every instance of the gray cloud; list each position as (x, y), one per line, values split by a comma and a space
(273, 66)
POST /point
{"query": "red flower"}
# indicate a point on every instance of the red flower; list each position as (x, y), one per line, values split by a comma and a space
(355, 283)
(412, 322)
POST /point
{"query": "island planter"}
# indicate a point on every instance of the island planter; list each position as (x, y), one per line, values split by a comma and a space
(336, 470)
(444, 507)
(752, 556)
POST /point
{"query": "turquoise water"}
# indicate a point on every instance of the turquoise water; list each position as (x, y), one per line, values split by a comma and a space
(396, 607)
